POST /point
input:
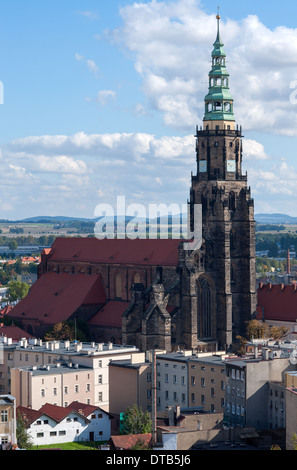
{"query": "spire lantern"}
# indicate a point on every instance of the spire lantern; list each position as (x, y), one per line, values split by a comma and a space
(218, 101)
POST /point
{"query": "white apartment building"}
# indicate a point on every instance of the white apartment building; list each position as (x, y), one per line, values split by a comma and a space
(172, 379)
(84, 366)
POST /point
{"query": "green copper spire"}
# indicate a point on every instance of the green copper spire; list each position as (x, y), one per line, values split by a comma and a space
(218, 101)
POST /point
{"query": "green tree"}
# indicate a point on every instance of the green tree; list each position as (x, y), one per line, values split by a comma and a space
(23, 438)
(17, 291)
(135, 421)
(12, 245)
(60, 331)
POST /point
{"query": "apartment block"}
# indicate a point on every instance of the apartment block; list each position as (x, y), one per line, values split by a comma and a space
(207, 382)
(255, 393)
(90, 361)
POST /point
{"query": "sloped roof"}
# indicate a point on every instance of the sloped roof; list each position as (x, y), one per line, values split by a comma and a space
(58, 413)
(28, 415)
(133, 252)
(277, 302)
(86, 409)
(14, 332)
(130, 440)
(110, 314)
(55, 297)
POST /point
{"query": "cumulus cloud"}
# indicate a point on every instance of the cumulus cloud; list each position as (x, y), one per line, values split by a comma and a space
(171, 43)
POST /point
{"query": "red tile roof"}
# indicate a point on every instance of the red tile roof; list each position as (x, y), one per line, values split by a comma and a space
(5, 310)
(129, 440)
(86, 409)
(55, 297)
(132, 252)
(13, 332)
(28, 415)
(58, 413)
(110, 314)
(277, 302)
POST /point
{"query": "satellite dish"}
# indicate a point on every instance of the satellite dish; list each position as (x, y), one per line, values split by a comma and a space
(293, 357)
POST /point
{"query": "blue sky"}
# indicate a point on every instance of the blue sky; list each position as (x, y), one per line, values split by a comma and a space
(101, 100)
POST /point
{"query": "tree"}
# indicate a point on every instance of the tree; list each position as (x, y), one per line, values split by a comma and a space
(23, 438)
(17, 291)
(135, 421)
(60, 331)
(12, 245)
(256, 329)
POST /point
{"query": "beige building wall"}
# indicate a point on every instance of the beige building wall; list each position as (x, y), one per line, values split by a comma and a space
(57, 386)
(291, 418)
(129, 384)
(7, 420)
(207, 382)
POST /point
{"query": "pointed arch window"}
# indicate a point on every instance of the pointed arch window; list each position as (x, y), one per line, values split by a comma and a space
(232, 201)
(204, 310)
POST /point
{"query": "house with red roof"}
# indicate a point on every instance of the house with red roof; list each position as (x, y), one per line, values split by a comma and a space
(53, 424)
(129, 441)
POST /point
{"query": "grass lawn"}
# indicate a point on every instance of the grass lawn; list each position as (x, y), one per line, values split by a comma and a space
(72, 446)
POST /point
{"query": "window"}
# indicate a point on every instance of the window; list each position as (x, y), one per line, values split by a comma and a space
(40, 434)
(174, 379)
(100, 396)
(42, 392)
(88, 388)
(166, 394)
(99, 379)
(76, 388)
(99, 363)
(55, 391)
(66, 390)
(193, 397)
(53, 433)
(193, 380)
(202, 382)
(62, 433)
(4, 416)
(183, 397)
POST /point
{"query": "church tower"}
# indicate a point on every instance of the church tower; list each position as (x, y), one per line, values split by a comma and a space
(224, 270)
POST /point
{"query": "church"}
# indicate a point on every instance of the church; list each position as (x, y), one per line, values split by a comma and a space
(154, 293)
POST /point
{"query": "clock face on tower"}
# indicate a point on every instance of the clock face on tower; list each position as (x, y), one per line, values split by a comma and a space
(231, 166)
(202, 166)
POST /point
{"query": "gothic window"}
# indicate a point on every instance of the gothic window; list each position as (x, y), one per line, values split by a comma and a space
(204, 310)
(118, 286)
(136, 278)
(232, 201)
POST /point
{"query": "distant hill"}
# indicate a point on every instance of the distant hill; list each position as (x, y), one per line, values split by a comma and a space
(275, 219)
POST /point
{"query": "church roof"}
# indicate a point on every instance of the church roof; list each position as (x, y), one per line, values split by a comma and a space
(110, 314)
(55, 297)
(159, 252)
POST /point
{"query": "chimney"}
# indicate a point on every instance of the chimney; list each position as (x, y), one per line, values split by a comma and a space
(288, 262)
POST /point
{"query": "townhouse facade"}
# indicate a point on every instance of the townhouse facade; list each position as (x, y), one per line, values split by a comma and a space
(7, 421)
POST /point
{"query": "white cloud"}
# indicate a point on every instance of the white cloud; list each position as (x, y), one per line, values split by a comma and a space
(104, 96)
(171, 43)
